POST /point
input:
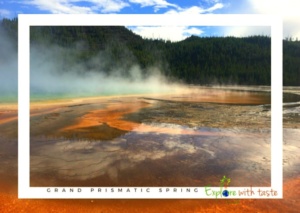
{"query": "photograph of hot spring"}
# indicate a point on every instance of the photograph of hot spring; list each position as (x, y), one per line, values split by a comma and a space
(109, 108)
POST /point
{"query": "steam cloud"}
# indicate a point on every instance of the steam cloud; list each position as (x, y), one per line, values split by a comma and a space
(52, 76)
(8, 68)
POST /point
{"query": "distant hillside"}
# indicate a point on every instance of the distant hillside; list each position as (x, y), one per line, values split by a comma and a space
(222, 60)
(195, 60)
(291, 63)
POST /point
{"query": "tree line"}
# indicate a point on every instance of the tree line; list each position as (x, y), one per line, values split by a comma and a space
(195, 60)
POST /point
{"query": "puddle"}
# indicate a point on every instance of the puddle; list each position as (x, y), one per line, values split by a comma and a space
(131, 159)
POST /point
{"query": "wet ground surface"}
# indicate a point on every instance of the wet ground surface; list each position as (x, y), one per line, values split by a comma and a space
(151, 159)
(163, 142)
(185, 139)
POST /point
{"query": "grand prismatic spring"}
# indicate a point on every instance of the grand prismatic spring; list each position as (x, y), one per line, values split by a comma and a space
(185, 139)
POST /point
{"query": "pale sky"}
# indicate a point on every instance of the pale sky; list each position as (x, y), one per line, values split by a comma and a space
(288, 9)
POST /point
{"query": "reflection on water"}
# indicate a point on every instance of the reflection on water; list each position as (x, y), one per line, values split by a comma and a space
(183, 139)
(192, 147)
(144, 159)
(186, 139)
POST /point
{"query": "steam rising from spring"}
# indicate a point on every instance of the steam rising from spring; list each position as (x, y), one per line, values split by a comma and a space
(50, 77)
(8, 68)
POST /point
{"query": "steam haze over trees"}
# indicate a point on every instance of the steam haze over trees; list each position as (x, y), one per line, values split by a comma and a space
(118, 51)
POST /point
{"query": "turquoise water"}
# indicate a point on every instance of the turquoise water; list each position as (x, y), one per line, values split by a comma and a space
(60, 96)
(8, 99)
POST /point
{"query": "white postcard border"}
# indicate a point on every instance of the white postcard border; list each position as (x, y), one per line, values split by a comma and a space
(25, 21)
